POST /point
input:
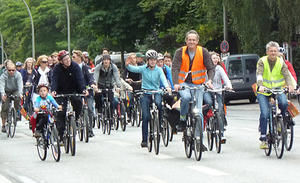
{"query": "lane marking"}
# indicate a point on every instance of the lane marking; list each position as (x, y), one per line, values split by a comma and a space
(27, 179)
(163, 156)
(208, 171)
(148, 178)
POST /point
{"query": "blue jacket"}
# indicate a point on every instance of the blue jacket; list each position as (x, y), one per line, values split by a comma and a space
(67, 80)
(168, 74)
(150, 78)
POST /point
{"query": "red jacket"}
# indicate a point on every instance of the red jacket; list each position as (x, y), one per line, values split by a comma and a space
(291, 69)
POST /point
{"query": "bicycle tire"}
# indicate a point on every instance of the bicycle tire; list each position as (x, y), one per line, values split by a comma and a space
(156, 132)
(123, 117)
(99, 120)
(66, 138)
(133, 116)
(171, 133)
(80, 128)
(289, 137)
(72, 135)
(13, 123)
(218, 133)
(139, 116)
(54, 142)
(149, 138)
(187, 146)
(165, 132)
(210, 133)
(41, 148)
(279, 137)
(198, 144)
(116, 118)
(86, 125)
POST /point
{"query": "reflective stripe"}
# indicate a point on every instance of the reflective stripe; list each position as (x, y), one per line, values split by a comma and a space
(182, 72)
(274, 81)
(199, 77)
(198, 72)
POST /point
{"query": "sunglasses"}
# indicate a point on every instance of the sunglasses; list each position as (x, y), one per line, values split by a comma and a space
(11, 70)
(44, 61)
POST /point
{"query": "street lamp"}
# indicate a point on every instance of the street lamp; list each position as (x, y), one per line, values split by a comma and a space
(2, 48)
(32, 29)
(68, 20)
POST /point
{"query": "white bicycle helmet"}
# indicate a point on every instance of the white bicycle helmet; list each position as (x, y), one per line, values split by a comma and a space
(151, 54)
(160, 56)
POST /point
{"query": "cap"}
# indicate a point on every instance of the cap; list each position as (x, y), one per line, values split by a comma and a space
(140, 55)
(62, 54)
(18, 64)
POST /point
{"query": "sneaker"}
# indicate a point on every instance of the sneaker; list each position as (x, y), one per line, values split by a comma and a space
(3, 130)
(263, 145)
(143, 144)
(61, 142)
(91, 134)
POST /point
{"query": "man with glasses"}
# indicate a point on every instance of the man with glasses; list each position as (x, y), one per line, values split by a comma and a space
(11, 83)
(67, 78)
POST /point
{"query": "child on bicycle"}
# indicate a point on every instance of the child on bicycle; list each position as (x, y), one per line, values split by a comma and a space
(42, 102)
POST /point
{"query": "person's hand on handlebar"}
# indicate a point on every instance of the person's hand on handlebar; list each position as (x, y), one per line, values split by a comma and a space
(85, 92)
(176, 87)
(53, 93)
(209, 84)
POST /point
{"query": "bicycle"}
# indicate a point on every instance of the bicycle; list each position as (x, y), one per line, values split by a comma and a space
(193, 118)
(49, 137)
(136, 111)
(69, 136)
(214, 126)
(104, 114)
(83, 123)
(28, 105)
(11, 123)
(275, 133)
(120, 116)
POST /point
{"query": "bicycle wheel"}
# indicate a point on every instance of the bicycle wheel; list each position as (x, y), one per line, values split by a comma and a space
(138, 116)
(288, 134)
(187, 144)
(109, 123)
(54, 142)
(86, 125)
(198, 144)
(67, 138)
(12, 122)
(116, 118)
(133, 115)
(156, 132)
(123, 117)
(41, 148)
(279, 137)
(99, 120)
(165, 132)
(210, 133)
(218, 133)
(72, 135)
(150, 138)
(80, 128)
(171, 131)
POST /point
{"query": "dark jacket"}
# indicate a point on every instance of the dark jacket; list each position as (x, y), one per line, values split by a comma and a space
(67, 80)
(87, 75)
(36, 78)
(25, 76)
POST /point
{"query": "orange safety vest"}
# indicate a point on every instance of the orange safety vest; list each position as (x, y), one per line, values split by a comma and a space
(198, 70)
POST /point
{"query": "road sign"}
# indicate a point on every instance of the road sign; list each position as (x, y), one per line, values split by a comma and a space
(224, 46)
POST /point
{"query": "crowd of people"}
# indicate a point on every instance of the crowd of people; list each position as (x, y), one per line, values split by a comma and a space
(192, 65)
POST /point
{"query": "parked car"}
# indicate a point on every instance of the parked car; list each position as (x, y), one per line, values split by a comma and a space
(242, 74)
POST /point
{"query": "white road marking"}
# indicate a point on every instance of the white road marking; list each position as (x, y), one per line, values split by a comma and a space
(208, 171)
(148, 178)
(27, 179)
(164, 156)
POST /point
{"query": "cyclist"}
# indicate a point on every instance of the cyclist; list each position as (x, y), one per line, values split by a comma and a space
(220, 75)
(271, 72)
(140, 59)
(168, 59)
(134, 79)
(11, 83)
(77, 56)
(87, 60)
(107, 76)
(190, 64)
(43, 102)
(67, 78)
(151, 77)
(19, 66)
(99, 58)
(166, 69)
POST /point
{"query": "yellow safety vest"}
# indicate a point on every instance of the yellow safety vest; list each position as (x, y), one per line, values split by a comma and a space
(274, 79)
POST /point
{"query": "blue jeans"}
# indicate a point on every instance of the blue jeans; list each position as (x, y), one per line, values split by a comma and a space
(91, 110)
(186, 96)
(265, 109)
(146, 100)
